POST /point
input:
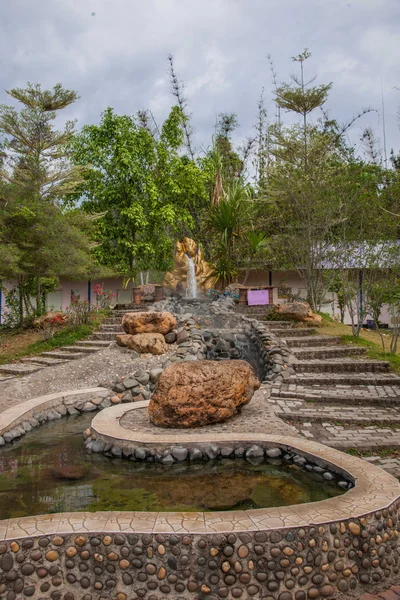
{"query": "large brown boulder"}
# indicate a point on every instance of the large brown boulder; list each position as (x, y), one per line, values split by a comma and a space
(193, 394)
(144, 343)
(298, 311)
(148, 322)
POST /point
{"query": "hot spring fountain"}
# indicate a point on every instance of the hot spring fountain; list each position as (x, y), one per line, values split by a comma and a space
(191, 289)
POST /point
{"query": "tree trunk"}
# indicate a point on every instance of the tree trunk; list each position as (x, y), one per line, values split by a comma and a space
(38, 297)
(21, 302)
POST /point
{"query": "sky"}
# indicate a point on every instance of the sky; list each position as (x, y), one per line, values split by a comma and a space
(114, 53)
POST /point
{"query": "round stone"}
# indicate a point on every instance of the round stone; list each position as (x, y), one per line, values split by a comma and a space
(252, 590)
(71, 551)
(354, 528)
(29, 591)
(6, 563)
(343, 585)
(228, 551)
(95, 541)
(243, 551)
(27, 569)
(80, 540)
(57, 540)
(285, 596)
(313, 593)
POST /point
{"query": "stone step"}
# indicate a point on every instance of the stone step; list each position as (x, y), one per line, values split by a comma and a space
(81, 349)
(338, 398)
(103, 335)
(63, 355)
(42, 360)
(325, 352)
(341, 366)
(19, 369)
(272, 325)
(334, 414)
(295, 332)
(361, 443)
(338, 379)
(116, 328)
(94, 343)
(116, 322)
(313, 340)
(121, 313)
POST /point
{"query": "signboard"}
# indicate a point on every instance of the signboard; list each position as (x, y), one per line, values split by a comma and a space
(257, 297)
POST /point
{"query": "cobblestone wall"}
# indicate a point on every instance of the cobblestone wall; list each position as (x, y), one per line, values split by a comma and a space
(326, 561)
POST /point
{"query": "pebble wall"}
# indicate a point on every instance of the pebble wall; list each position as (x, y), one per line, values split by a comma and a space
(325, 561)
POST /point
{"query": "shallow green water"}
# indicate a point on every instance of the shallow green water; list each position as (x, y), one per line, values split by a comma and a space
(49, 471)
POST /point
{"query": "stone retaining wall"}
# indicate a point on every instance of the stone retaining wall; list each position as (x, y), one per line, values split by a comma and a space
(125, 562)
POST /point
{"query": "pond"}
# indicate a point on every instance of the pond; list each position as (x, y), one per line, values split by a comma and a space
(49, 471)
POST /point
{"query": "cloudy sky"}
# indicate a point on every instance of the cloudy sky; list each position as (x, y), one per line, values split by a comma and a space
(113, 52)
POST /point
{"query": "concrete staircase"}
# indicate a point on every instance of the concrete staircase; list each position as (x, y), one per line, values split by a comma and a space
(337, 396)
(97, 341)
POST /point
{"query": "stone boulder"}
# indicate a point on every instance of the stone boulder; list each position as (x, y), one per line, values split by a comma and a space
(144, 343)
(51, 318)
(194, 394)
(298, 311)
(148, 322)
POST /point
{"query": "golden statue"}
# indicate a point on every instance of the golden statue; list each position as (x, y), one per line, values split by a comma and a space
(177, 280)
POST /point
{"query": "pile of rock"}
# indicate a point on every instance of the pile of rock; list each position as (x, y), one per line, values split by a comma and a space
(137, 387)
(147, 332)
(222, 345)
(189, 340)
(274, 357)
(298, 311)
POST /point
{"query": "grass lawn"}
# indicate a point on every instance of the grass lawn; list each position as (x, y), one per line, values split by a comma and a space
(17, 344)
(369, 339)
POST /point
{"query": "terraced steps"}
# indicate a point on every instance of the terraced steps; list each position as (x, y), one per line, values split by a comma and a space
(83, 349)
(108, 336)
(337, 396)
(341, 366)
(298, 410)
(43, 360)
(116, 327)
(328, 379)
(99, 344)
(63, 355)
(296, 332)
(355, 399)
(313, 341)
(324, 352)
(20, 369)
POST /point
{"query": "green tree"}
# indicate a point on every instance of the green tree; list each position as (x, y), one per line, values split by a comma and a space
(38, 239)
(228, 219)
(146, 192)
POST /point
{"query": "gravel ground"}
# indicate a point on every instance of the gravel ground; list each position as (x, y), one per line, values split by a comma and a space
(93, 370)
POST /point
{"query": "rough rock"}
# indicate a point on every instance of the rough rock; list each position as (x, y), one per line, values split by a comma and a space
(170, 338)
(148, 322)
(196, 394)
(298, 311)
(51, 318)
(151, 343)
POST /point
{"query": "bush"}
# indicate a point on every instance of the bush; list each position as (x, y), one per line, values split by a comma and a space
(80, 312)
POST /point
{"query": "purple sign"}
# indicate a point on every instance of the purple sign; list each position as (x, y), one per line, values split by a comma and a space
(255, 297)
